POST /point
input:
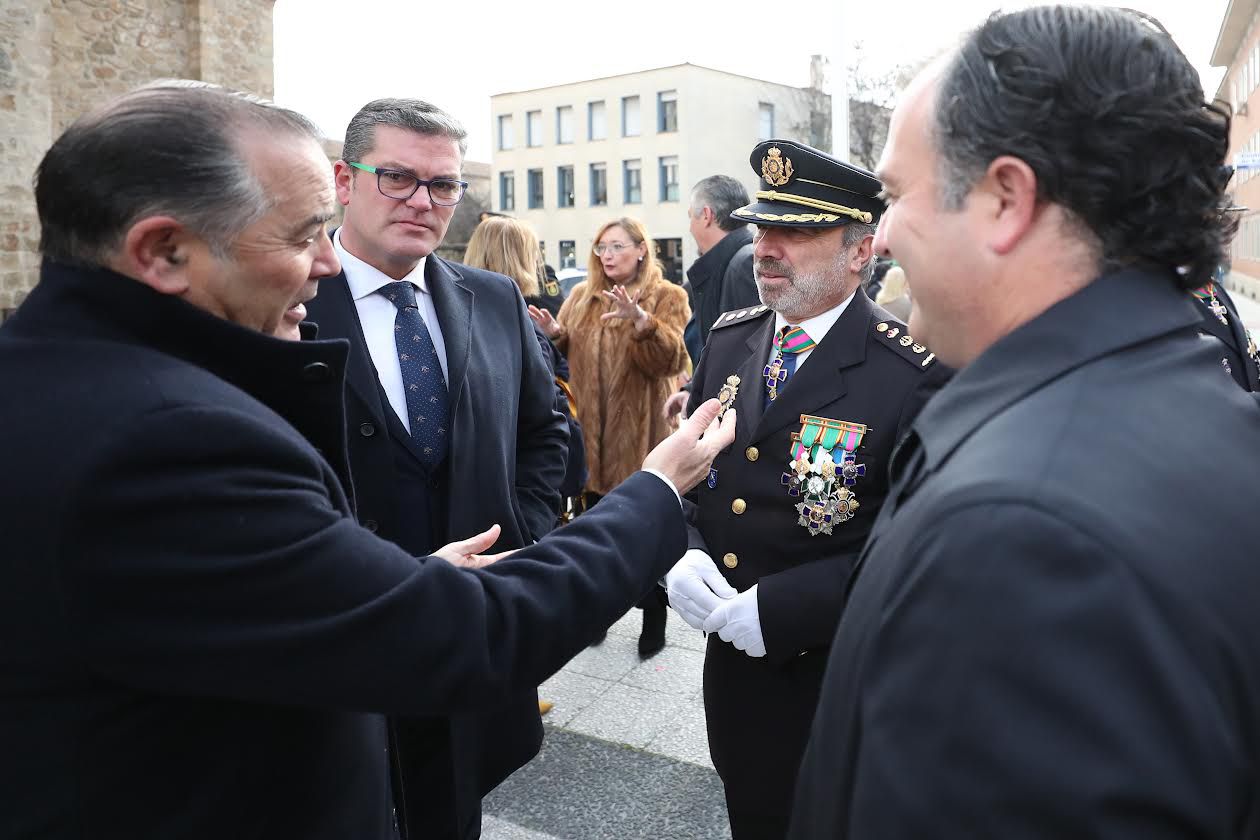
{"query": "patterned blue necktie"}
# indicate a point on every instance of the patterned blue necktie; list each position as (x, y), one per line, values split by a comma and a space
(423, 384)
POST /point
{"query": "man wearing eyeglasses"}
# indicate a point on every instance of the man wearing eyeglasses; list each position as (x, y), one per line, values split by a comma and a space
(451, 412)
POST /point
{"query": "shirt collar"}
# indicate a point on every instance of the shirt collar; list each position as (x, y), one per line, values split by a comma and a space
(364, 279)
(818, 326)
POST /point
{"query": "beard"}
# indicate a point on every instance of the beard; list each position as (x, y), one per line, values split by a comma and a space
(805, 294)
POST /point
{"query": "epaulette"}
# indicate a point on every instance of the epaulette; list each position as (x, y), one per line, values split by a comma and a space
(738, 316)
(896, 338)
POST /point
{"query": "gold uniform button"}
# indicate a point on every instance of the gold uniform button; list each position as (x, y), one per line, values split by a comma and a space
(739, 506)
(751, 453)
(730, 561)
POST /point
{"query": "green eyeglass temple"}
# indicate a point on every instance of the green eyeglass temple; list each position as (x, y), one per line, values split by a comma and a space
(442, 191)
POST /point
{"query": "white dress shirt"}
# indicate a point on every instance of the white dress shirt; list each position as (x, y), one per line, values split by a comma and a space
(816, 328)
(376, 316)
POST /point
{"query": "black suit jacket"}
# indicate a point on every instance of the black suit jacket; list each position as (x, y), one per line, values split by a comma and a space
(196, 638)
(508, 443)
(1053, 630)
(758, 710)
(507, 457)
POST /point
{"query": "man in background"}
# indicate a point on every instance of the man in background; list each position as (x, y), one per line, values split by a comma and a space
(721, 279)
(452, 417)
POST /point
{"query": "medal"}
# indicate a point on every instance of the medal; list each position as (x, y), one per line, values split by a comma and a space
(727, 393)
(1207, 294)
(775, 376)
(815, 476)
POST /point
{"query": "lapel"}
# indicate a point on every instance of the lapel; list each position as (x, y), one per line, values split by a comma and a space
(752, 392)
(453, 300)
(337, 317)
(820, 380)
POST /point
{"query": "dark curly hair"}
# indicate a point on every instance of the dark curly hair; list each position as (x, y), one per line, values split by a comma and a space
(1111, 117)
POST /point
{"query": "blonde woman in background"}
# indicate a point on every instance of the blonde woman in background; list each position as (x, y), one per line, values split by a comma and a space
(509, 246)
(894, 295)
(622, 331)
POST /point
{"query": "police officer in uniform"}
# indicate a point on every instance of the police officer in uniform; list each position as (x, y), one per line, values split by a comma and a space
(823, 381)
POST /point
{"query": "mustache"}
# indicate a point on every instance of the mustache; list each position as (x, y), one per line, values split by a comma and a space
(769, 266)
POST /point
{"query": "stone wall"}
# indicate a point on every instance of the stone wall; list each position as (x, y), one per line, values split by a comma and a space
(60, 58)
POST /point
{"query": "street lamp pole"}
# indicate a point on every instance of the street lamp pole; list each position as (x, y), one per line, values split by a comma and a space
(840, 83)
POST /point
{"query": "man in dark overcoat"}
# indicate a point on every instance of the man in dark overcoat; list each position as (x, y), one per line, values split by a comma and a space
(824, 381)
(198, 640)
(499, 450)
(1052, 631)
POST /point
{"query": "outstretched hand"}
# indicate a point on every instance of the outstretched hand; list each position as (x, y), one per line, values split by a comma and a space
(549, 325)
(467, 553)
(625, 306)
(686, 455)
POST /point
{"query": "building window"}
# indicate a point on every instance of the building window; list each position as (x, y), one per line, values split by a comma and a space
(564, 124)
(670, 253)
(634, 182)
(669, 178)
(597, 128)
(535, 189)
(599, 184)
(533, 128)
(568, 253)
(630, 116)
(765, 121)
(667, 111)
(564, 186)
(506, 139)
(507, 192)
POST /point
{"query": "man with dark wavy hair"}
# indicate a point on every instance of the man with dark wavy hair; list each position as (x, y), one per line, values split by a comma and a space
(1047, 635)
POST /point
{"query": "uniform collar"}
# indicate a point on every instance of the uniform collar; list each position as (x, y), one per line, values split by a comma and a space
(818, 326)
(1068, 335)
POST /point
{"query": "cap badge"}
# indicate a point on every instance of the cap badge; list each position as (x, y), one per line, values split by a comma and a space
(776, 169)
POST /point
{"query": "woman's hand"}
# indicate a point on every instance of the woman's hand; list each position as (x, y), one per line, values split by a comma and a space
(625, 307)
(550, 326)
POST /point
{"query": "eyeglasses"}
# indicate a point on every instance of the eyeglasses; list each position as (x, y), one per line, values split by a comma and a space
(613, 247)
(403, 185)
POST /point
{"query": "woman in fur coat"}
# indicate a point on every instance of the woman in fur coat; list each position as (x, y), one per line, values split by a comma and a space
(622, 331)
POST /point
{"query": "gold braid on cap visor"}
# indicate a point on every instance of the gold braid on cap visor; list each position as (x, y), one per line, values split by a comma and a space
(816, 203)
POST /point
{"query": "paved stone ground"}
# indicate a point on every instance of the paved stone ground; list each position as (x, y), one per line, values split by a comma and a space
(625, 755)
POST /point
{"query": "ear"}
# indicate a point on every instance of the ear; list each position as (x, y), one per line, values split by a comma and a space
(862, 254)
(1008, 195)
(343, 180)
(156, 251)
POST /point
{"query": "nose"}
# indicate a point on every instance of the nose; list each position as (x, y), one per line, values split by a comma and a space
(326, 263)
(880, 245)
(765, 245)
(420, 199)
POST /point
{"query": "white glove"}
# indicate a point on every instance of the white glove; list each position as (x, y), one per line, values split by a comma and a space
(695, 587)
(736, 621)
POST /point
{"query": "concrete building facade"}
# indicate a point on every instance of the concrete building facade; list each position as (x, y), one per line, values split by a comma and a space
(571, 157)
(1238, 49)
(60, 58)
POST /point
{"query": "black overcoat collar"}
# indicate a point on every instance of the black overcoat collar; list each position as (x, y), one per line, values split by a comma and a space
(1069, 334)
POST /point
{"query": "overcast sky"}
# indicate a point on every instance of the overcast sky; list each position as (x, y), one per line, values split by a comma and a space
(332, 57)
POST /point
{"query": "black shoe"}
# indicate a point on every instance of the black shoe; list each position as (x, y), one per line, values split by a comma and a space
(603, 634)
(652, 638)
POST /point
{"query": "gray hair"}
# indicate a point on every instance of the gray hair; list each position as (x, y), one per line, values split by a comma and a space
(411, 114)
(724, 195)
(855, 232)
(170, 148)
